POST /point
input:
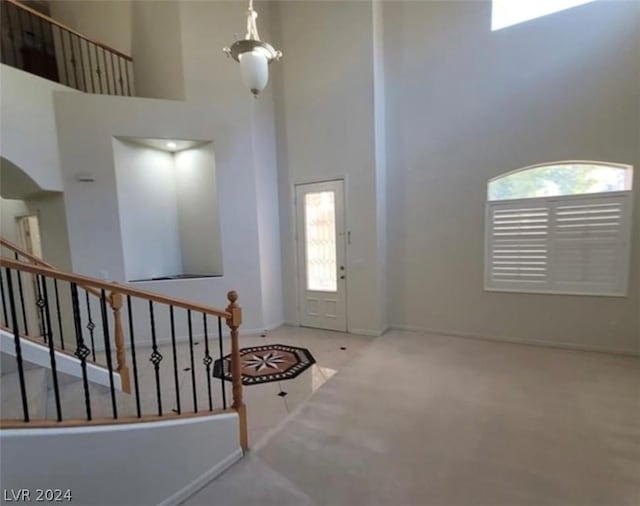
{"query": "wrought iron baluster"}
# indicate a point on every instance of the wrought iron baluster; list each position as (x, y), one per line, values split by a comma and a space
(42, 35)
(120, 79)
(16, 340)
(52, 353)
(126, 64)
(74, 62)
(113, 75)
(106, 72)
(24, 309)
(98, 71)
(31, 32)
(12, 34)
(63, 55)
(175, 359)
(3, 16)
(156, 357)
(224, 392)
(107, 349)
(133, 356)
(20, 61)
(90, 70)
(90, 325)
(207, 360)
(55, 286)
(81, 65)
(69, 62)
(82, 352)
(193, 364)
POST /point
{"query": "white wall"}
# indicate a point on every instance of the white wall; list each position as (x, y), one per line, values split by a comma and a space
(198, 213)
(86, 125)
(9, 210)
(148, 208)
(156, 49)
(465, 104)
(28, 121)
(53, 231)
(49, 207)
(144, 464)
(105, 21)
(252, 121)
(324, 95)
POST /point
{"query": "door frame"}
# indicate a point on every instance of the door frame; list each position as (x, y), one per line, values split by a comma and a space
(34, 317)
(20, 237)
(347, 240)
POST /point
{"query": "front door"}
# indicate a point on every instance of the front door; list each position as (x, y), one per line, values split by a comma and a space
(321, 255)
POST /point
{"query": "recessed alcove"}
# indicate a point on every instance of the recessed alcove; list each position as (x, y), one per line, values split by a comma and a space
(168, 206)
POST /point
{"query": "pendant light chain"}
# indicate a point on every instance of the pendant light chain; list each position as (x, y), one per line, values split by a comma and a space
(252, 26)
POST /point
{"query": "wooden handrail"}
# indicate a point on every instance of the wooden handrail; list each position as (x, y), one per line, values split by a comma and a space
(17, 249)
(68, 29)
(113, 287)
(39, 261)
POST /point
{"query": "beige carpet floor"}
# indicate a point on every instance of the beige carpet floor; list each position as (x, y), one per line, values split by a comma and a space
(418, 419)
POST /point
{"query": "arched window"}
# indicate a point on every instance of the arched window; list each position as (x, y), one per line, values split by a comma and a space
(564, 178)
(562, 227)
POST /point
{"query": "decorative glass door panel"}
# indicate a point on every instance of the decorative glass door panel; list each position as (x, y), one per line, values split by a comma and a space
(320, 241)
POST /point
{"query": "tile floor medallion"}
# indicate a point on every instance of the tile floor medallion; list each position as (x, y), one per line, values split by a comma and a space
(263, 364)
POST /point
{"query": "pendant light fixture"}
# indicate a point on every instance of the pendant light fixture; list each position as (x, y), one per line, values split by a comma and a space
(253, 55)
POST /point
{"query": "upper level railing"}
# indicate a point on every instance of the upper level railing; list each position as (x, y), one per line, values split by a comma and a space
(171, 327)
(36, 43)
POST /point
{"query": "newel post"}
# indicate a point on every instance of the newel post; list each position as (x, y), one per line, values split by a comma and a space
(115, 301)
(234, 323)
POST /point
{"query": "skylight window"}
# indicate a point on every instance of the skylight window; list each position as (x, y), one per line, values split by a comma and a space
(511, 12)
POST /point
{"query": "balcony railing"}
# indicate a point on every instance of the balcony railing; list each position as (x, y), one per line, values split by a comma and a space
(40, 45)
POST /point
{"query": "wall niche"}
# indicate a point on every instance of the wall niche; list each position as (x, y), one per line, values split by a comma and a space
(168, 206)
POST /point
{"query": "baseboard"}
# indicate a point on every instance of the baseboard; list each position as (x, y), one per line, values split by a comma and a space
(361, 332)
(516, 340)
(252, 332)
(366, 332)
(202, 480)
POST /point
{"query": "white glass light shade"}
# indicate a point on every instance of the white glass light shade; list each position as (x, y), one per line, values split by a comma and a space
(254, 67)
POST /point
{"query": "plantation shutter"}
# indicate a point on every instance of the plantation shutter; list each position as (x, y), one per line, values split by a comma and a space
(518, 245)
(573, 244)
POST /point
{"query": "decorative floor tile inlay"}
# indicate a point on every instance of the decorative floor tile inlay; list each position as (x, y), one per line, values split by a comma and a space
(262, 364)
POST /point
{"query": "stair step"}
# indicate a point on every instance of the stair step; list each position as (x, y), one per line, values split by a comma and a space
(36, 386)
(72, 402)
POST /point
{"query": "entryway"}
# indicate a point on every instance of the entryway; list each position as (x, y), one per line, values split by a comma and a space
(320, 227)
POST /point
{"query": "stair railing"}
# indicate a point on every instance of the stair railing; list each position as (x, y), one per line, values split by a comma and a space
(29, 298)
(154, 386)
(34, 42)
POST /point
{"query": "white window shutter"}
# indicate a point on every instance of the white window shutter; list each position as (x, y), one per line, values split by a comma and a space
(517, 245)
(572, 245)
(590, 244)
